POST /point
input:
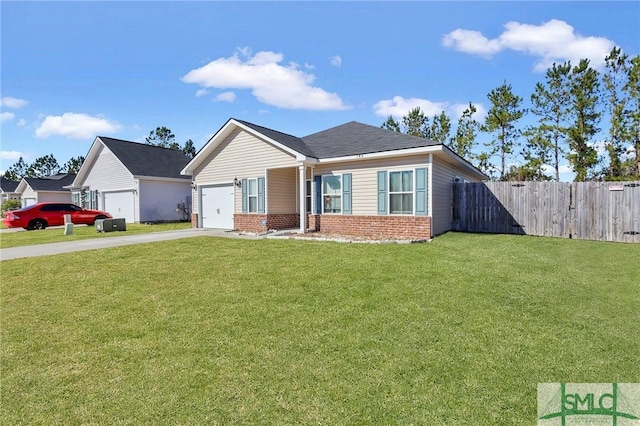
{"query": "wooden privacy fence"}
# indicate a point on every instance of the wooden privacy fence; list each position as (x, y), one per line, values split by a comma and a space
(604, 211)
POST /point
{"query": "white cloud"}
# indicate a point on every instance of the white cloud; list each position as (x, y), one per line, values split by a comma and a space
(11, 155)
(471, 42)
(553, 41)
(6, 116)
(398, 107)
(21, 122)
(336, 60)
(270, 82)
(226, 97)
(76, 126)
(12, 102)
(201, 92)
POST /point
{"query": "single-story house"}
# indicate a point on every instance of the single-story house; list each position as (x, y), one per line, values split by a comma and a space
(8, 190)
(353, 179)
(47, 189)
(134, 181)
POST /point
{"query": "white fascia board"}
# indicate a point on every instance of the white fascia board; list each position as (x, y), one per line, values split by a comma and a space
(87, 164)
(221, 135)
(22, 186)
(464, 163)
(299, 156)
(385, 154)
(160, 178)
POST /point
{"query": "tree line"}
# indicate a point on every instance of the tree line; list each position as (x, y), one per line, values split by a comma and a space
(567, 108)
(48, 165)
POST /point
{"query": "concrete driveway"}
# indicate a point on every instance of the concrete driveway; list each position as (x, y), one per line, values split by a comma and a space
(100, 243)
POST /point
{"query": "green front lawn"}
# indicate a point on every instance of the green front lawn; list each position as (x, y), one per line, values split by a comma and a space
(56, 235)
(223, 331)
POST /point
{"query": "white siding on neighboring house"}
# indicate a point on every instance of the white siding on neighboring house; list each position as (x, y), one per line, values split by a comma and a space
(444, 174)
(159, 200)
(54, 197)
(241, 155)
(107, 173)
(364, 178)
(28, 196)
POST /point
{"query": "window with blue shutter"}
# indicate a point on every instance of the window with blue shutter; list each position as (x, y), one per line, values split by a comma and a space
(245, 195)
(346, 193)
(421, 192)
(260, 195)
(318, 188)
(382, 192)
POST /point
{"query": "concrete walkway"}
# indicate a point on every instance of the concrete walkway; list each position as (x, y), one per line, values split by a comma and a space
(124, 240)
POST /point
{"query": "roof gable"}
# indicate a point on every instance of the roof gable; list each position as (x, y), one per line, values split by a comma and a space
(50, 183)
(346, 142)
(7, 185)
(147, 160)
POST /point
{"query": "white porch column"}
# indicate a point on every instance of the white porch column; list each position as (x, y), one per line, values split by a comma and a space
(302, 175)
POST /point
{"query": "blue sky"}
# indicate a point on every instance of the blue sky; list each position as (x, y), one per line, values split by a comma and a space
(73, 70)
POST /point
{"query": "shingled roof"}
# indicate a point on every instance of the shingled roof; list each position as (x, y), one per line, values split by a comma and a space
(348, 139)
(355, 138)
(8, 185)
(51, 183)
(148, 160)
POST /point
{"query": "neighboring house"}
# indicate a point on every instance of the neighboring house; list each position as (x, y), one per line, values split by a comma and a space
(353, 179)
(47, 189)
(8, 190)
(134, 181)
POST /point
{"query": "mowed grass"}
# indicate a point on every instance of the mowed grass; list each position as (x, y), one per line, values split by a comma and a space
(56, 235)
(223, 331)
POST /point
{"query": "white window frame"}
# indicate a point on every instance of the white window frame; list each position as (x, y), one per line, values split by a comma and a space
(338, 176)
(412, 192)
(249, 196)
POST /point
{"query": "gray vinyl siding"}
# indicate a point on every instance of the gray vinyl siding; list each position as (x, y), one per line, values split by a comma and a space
(442, 193)
(159, 200)
(364, 178)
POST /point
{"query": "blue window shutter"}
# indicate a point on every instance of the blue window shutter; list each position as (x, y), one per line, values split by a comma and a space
(382, 192)
(260, 195)
(245, 197)
(346, 193)
(421, 192)
(94, 199)
(318, 185)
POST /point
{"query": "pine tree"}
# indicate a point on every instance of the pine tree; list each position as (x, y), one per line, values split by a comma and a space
(584, 112)
(550, 103)
(504, 113)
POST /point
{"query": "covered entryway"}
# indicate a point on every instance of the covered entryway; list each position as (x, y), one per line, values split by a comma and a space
(120, 205)
(217, 207)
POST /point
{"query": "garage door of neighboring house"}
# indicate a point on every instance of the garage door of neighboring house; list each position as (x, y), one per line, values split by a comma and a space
(26, 202)
(217, 206)
(120, 205)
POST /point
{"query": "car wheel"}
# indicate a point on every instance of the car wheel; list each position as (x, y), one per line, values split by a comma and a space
(37, 224)
(98, 218)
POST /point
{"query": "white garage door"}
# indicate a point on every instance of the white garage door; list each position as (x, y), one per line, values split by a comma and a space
(120, 205)
(217, 207)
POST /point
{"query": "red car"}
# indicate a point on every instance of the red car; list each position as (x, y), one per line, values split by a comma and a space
(41, 215)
